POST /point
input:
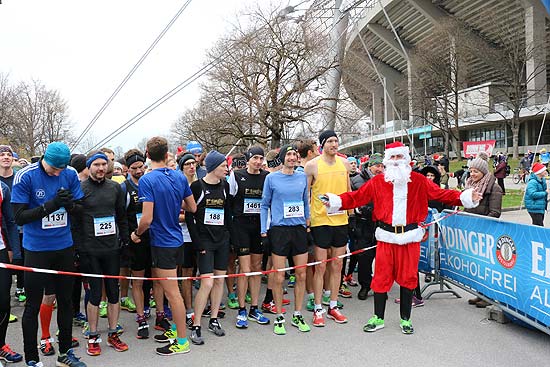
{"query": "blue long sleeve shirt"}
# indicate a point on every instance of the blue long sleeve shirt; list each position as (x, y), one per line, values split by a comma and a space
(286, 198)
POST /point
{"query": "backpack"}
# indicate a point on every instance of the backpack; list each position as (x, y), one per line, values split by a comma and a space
(508, 169)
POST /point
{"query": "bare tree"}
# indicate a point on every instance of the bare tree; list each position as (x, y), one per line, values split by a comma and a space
(263, 86)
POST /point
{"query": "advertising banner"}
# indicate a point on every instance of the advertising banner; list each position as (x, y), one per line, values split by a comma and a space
(472, 148)
(506, 262)
(427, 247)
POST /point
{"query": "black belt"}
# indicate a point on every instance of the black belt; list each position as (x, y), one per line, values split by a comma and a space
(397, 229)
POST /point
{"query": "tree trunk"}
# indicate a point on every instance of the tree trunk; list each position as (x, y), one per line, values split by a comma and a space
(515, 141)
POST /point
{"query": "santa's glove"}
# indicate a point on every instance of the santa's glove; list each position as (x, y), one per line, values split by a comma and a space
(466, 199)
(334, 203)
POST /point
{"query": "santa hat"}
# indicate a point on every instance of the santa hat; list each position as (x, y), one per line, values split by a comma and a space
(396, 148)
(538, 168)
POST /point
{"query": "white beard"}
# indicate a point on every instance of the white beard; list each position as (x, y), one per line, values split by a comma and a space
(397, 172)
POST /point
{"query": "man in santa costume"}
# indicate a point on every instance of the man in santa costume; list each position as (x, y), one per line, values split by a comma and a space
(400, 199)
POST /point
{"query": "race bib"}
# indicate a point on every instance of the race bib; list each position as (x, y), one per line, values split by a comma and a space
(214, 217)
(339, 212)
(293, 209)
(252, 206)
(104, 226)
(56, 219)
(138, 217)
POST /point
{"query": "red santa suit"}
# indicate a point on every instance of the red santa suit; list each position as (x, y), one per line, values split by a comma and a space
(398, 211)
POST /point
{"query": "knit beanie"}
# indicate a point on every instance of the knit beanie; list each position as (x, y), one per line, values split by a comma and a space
(375, 159)
(78, 162)
(254, 151)
(57, 155)
(213, 160)
(285, 149)
(480, 163)
(186, 157)
(194, 147)
(325, 135)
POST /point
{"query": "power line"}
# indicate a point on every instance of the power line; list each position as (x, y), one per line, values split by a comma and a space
(130, 73)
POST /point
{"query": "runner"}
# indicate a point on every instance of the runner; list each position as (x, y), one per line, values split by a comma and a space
(104, 212)
(209, 229)
(139, 253)
(328, 173)
(285, 194)
(44, 193)
(164, 192)
(245, 188)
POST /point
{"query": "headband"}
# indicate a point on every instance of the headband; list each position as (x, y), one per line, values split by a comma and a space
(134, 158)
(99, 155)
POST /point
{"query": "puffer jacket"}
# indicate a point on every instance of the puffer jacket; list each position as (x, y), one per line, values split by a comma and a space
(536, 197)
(491, 204)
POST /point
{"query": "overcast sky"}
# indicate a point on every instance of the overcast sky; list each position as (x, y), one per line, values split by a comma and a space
(83, 49)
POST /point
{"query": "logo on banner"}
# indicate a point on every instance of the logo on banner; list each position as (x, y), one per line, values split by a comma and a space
(506, 252)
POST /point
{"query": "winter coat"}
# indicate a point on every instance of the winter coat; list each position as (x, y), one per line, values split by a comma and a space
(500, 170)
(491, 204)
(536, 197)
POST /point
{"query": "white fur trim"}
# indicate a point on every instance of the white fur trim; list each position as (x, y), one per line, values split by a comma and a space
(412, 236)
(399, 215)
(466, 198)
(540, 171)
(397, 151)
(335, 203)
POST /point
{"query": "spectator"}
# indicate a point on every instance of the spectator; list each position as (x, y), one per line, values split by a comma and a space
(536, 194)
(500, 172)
(484, 182)
(544, 157)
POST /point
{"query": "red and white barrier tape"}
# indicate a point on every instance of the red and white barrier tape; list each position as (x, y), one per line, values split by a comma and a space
(249, 274)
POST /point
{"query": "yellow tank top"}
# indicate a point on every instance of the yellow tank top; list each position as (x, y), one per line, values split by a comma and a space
(330, 178)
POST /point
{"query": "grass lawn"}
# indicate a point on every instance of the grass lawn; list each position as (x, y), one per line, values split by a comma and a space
(456, 165)
(512, 199)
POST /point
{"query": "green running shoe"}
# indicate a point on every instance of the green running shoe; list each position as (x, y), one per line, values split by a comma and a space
(13, 318)
(326, 302)
(103, 309)
(127, 304)
(406, 327)
(279, 326)
(232, 301)
(174, 348)
(20, 295)
(310, 306)
(248, 298)
(374, 323)
(298, 321)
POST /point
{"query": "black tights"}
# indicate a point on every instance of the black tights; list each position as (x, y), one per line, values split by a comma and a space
(405, 306)
(5, 286)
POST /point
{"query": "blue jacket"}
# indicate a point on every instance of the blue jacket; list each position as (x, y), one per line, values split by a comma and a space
(535, 194)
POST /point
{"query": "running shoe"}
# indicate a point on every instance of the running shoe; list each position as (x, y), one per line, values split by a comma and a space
(168, 312)
(215, 327)
(79, 319)
(417, 302)
(344, 291)
(69, 360)
(208, 312)
(8, 355)
(336, 315)
(162, 324)
(166, 337)
(286, 301)
(348, 279)
(197, 284)
(248, 298)
(46, 346)
(222, 306)
(374, 323)
(74, 341)
(143, 329)
(113, 340)
(119, 329)
(152, 302)
(93, 348)
(196, 337)
(406, 327)
(127, 304)
(34, 364)
(103, 309)
(147, 312)
(258, 316)
(13, 318)
(292, 281)
(326, 302)
(232, 301)
(242, 321)
(299, 322)
(20, 295)
(310, 306)
(189, 321)
(86, 331)
(174, 348)
(271, 308)
(279, 326)
(319, 318)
